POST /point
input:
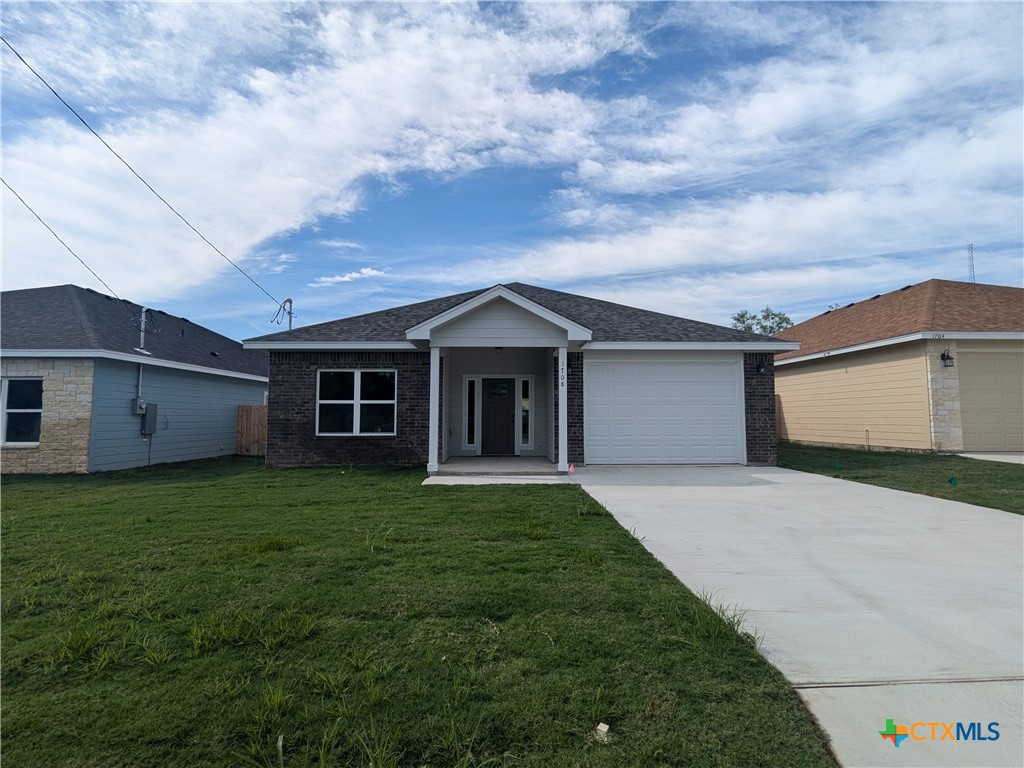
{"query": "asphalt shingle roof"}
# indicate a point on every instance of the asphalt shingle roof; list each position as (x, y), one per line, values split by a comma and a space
(606, 320)
(66, 317)
(934, 305)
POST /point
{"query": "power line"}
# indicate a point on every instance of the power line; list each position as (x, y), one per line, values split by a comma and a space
(80, 259)
(135, 173)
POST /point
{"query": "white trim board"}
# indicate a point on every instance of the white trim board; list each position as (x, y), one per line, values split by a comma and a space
(318, 346)
(921, 336)
(124, 357)
(694, 346)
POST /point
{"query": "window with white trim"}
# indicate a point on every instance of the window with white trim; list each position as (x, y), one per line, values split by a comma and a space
(21, 411)
(356, 402)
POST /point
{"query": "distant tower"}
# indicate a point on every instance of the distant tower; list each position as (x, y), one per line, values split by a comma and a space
(970, 262)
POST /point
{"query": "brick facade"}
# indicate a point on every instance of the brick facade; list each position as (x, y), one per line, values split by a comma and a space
(291, 425)
(66, 418)
(574, 405)
(292, 439)
(759, 407)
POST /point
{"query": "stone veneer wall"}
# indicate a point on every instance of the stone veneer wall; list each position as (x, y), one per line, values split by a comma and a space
(66, 418)
(291, 416)
(759, 407)
(943, 398)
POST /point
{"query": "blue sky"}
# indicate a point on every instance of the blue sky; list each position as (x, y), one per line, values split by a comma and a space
(691, 158)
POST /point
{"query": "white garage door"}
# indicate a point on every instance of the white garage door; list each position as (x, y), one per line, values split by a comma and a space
(992, 400)
(664, 412)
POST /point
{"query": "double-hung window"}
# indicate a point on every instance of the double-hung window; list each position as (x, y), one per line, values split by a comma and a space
(356, 402)
(22, 411)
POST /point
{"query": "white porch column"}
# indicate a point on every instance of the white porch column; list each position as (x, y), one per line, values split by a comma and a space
(563, 410)
(435, 408)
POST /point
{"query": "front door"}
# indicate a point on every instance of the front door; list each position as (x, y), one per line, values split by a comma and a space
(499, 417)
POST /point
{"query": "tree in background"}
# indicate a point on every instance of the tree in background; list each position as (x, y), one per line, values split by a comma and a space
(767, 323)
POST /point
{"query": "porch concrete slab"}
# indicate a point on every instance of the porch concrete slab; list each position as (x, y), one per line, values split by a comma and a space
(496, 480)
(849, 585)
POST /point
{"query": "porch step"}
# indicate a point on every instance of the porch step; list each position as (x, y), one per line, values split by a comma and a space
(462, 472)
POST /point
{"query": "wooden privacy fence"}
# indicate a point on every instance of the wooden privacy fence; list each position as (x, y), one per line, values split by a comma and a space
(251, 438)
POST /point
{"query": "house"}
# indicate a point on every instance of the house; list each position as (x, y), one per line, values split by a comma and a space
(937, 366)
(519, 370)
(92, 383)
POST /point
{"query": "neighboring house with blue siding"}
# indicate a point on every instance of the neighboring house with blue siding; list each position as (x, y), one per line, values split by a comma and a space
(94, 383)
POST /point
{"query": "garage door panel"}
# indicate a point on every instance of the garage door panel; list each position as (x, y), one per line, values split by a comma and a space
(992, 400)
(663, 413)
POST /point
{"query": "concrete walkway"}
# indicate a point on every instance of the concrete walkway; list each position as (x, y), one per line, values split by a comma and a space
(1007, 457)
(876, 604)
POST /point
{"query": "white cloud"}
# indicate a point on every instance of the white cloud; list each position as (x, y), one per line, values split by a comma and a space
(870, 130)
(348, 277)
(378, 91)
(342, 244)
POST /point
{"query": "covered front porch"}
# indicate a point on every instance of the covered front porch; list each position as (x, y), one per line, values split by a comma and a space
(498, 409)
(498, 379)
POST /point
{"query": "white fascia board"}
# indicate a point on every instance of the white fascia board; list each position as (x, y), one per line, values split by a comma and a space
(702, 346)
(575, 331)
(920, 336)
(124, 357)
(319, 346)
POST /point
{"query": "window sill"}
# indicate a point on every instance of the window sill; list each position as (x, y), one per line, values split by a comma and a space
(18, 446)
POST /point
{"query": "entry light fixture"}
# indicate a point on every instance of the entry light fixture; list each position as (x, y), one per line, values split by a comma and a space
(497, 350)
(946, 358)
(761, 368)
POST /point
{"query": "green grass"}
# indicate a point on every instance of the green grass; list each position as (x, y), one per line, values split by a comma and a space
(986, 483)
(217, 613)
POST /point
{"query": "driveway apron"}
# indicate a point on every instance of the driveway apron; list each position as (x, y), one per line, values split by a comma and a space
(876, 604)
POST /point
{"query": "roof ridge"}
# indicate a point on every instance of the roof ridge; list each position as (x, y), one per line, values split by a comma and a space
(930, 303)
(85, 317)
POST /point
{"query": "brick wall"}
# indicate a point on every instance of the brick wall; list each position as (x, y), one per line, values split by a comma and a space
(291, 422)
(66, 418)
(759, 404)
(574, 405)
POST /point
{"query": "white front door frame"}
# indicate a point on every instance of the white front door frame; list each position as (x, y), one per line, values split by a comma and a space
(477, 405)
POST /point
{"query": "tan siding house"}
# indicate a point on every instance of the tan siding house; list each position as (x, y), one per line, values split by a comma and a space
(937, 366)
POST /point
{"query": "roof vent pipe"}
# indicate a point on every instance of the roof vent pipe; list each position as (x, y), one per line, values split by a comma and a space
(142, 333)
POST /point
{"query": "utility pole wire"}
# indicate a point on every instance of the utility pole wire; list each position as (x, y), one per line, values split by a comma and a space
(13, 192)
(126, 165)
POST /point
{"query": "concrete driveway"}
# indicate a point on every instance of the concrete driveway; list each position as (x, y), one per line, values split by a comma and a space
(876, 604)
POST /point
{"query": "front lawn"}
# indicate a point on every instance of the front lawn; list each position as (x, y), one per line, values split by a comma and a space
(985, 483)
(202, 614)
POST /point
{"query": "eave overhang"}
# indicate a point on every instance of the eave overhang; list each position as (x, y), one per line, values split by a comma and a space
(909, 337)
(125, 357)
(320, 346)
(696, 346)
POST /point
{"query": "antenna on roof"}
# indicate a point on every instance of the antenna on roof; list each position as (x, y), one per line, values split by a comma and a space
(970, 262)
(284, 308)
